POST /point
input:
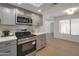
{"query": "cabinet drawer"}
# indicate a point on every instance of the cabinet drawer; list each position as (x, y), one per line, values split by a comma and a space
(8, 51)
(7, 43)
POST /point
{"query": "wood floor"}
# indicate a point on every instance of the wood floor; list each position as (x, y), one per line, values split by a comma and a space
(59, 47)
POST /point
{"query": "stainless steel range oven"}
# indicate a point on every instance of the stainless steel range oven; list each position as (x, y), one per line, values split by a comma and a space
(26, 43)
(26, 47)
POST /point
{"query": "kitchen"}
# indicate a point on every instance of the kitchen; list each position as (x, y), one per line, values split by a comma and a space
(39, 29)
(19, 31)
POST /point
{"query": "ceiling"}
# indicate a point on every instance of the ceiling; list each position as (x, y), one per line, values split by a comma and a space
(54, 9)
(35, 6)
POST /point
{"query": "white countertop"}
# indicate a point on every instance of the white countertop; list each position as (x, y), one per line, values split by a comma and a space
(39, 33)
(2, 39)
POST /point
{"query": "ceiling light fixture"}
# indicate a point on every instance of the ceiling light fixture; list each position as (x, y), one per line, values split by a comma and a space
(36, 4)
(19, 3)
(39, 10)
(71, 10)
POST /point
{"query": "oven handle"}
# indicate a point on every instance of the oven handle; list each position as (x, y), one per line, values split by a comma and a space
(22, 42)
(33, 43)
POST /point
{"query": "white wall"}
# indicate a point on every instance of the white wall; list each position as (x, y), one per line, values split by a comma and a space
(64, 36)
(47, 20)
(48, 27)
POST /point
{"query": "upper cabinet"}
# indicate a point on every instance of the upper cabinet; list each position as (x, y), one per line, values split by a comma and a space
(19, 12)
(0, 14)
(37, 20)
(7, 14)
(22, 12)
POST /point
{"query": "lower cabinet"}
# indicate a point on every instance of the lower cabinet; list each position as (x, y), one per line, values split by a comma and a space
(41, 41)
(10, 50)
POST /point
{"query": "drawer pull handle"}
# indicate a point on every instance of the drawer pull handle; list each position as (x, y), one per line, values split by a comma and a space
(7, 51)
(7, 43)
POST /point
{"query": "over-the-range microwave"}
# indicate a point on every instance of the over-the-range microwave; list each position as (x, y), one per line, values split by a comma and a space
(23, 20)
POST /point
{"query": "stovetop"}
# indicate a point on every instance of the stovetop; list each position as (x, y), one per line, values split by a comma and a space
(28, 36)
(24, 34)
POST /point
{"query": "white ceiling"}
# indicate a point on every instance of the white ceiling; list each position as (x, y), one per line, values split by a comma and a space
(59, 9)
(49, 8)
(36, 4)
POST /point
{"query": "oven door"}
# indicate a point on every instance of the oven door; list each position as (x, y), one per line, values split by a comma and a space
(26, 48)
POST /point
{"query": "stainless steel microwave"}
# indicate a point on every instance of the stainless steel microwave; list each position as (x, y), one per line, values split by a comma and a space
(23, 20)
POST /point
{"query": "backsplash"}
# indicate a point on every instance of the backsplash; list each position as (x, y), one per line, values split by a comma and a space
(16, 28)
(37, 29)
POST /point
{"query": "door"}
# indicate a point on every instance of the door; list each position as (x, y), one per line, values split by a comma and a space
(52, 29)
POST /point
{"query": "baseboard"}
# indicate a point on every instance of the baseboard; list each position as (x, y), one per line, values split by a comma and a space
(67, 40)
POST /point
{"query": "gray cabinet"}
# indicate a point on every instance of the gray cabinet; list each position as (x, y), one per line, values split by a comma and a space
(22, 12)
(8, 51)
(41, 41)
(7, 14)
(0, 14)
(37, 20)
(38, 46)
(19, 12)
(8, 48)
(43, 38)
(7, 43)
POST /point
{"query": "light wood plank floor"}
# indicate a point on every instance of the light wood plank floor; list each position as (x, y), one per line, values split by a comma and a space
(59, 47)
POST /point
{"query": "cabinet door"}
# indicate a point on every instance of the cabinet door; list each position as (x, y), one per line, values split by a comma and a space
(36, 19)
(38, 46)
(39, 42)
(8, 15)
(27, 13)
(7, 43)
(8, 51)
(40, 20)
(19, 12)
(43, 40)
(0, 14)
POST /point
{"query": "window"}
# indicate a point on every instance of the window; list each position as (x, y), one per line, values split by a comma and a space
(75, 26)
(69, 26)
(64, 26)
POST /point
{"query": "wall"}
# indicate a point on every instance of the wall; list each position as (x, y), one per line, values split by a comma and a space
(64, 36)
(15, 28)
(47, 20)
(48, 26)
